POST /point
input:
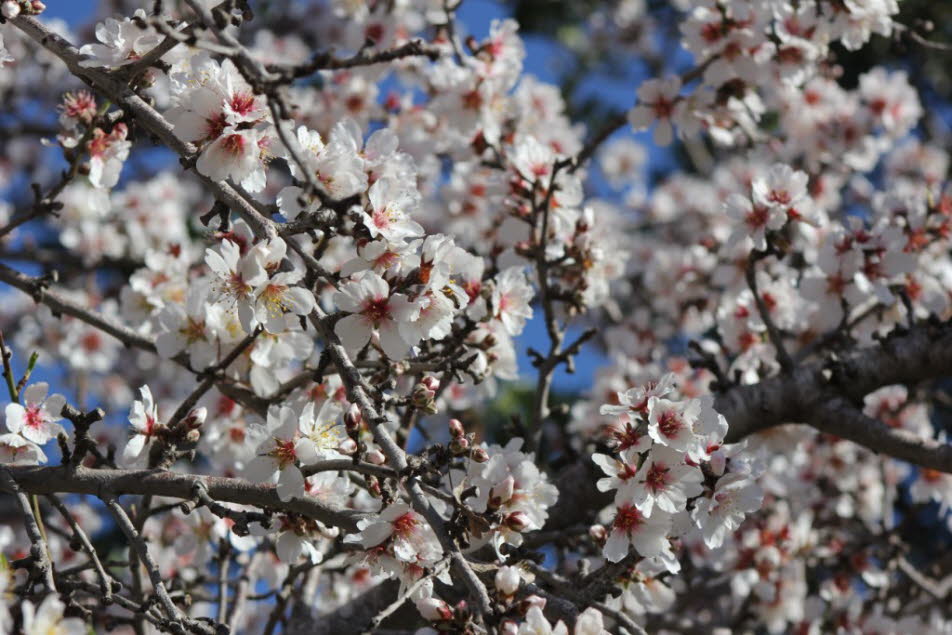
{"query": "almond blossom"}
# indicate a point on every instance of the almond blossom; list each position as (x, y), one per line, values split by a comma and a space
(36, 418)
(374, 310)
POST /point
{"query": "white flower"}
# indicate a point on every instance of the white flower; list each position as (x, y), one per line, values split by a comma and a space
(237, 278)
(48, 619)
(753, 219)
(144, 419)
(658, 103)
(278, 456)
(237, 154)
(121, 42)
(392, 204)
(621, 473)
(411, 538)
(277, 296)
(666, 481)
(36, 418)
(15, 450)
(373, 309)
(107, 153)
(512, 300)
(671, 423)
(735, 495)
(648, 534)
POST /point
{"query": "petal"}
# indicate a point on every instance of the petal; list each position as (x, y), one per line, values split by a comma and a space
(290, 483)
(353, 331)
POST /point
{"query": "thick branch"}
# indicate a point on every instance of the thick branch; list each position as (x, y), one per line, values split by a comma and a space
(816, 392)
(60, 480)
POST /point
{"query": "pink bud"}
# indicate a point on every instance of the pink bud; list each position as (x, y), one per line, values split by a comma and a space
(456, 428)
(193, 435)
(431, 382)
(37, 7)
(517, 521)
(597, 533)
(347, 446)
(352, 418)
(196, 417)
(479, 455)
(375, 456)
(434, 609)
(459, 446)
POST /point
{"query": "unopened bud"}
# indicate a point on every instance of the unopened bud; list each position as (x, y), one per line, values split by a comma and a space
(10, 9)
(196, 418)
(37, 7)
(434, 609)
(431, 382)
(480, 455)
(375, 456)
(509, 627)
(531, 600)
(423, 398)
(456, 428)
(352, 418)
(507, 580)
(193, 435)
(516, 521)
(373, 486)
(347, 446)
(459, 446)
(597, 533)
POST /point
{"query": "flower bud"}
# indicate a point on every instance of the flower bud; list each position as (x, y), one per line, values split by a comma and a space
(352, 418)
(375, 456)
(516, 521)
(479, 455)
(507, 580)
(423, 398)
(456, 428)
(193, 435)
(598, 533)
(347, 446)
(434, 609)
(10, 9)
(431, 382)
(37, 7)
(196, 418)
(459, 446)
(531, 600)
(509, 628)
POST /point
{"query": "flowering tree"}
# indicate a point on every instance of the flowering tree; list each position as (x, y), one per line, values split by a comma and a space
(302, 240)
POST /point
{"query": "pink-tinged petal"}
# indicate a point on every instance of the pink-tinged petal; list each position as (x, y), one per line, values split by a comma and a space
(616, 547)
(290, 483)
(354, 332)
(289, 547)
(663, 133)
(261, 469)
(36, 393)
(54, 406)
(375, 534)
(133, 449)
(16, 417)
(392, 342)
